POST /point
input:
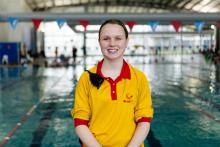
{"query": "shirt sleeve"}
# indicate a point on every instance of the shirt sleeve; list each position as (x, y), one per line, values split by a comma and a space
(81, 109)
(144, 107)
(78, 122)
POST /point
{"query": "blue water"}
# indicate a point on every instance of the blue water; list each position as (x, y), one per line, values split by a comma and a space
(186, 99)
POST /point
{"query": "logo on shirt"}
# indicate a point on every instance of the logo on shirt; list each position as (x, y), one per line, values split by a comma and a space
(128, 98)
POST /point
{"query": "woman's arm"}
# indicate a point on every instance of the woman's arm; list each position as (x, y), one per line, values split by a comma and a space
(140, 134)
(86, 136)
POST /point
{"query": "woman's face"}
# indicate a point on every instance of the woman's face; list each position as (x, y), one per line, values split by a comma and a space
(112, 41)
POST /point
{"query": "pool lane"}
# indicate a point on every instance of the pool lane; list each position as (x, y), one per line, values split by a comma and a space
(181, 119)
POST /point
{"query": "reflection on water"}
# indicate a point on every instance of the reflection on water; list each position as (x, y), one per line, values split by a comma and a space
(184, 95)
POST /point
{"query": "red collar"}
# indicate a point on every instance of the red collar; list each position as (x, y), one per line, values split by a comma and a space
(125, 72)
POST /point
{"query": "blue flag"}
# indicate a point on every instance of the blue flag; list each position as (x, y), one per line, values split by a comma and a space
(153, 25)
(13, 22)
(61, 22)
(199, 25)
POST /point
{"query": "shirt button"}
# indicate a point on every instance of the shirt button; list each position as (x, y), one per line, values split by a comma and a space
(113, 91)
(113, 83)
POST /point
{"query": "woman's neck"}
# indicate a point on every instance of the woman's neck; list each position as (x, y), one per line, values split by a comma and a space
(113, 64)
(112, 68)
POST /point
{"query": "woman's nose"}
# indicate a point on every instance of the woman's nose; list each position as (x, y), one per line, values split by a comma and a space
(112, 42)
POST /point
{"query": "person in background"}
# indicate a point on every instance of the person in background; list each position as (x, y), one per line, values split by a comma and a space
(23, 54)
(56, 53)
(74, 53)
(112, 105)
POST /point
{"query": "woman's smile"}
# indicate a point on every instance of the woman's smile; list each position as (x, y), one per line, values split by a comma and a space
(112, 51)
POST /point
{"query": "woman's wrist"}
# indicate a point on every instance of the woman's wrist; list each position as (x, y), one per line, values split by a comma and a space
(132, 145)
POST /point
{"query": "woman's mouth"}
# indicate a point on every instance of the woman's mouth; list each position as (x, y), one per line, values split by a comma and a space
(112, 51)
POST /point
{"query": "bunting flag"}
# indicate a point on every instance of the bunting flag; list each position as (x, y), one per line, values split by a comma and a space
(131, 24)
(60, 22)
(199, 25)
(153, 25)
(13, 22)
(84, 23)
(176, 24)
(36, 22)
(218, 24)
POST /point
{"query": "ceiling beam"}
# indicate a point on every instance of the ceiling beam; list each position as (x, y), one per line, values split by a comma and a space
(195, 3)
(165, 18)
(177, 2)
(107, 3)
(185, 3)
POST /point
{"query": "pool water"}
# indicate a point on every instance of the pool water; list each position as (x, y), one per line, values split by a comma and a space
(186, 100)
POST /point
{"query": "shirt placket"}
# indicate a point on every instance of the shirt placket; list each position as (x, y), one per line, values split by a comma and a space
(113, 88)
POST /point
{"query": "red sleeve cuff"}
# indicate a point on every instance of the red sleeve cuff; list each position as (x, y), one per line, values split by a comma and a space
(78, 121)
(145, 119)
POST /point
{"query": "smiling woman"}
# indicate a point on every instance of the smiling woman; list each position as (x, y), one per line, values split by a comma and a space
(113, 41)
(119, 111)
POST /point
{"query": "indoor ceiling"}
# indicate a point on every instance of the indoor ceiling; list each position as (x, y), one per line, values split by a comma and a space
(125, 6)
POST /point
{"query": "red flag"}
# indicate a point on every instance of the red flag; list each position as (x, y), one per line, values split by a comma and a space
(84, 23)
(218, 24)
(131, 24)
(176, 24)
(36, 22)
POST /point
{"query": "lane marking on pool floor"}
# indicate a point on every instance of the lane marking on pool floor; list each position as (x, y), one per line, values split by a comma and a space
(26, 116)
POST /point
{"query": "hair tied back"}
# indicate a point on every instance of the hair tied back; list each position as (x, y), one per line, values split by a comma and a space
(95, 79)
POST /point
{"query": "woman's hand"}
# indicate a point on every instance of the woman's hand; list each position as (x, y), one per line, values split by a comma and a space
(140, 134)
(86, 136)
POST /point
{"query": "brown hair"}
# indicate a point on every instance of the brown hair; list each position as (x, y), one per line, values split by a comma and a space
(114, 21)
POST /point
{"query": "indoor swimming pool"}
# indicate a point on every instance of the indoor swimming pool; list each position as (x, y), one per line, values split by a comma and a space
(35, 105)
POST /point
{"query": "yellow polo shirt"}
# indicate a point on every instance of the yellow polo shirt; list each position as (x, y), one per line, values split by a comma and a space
(113, 111)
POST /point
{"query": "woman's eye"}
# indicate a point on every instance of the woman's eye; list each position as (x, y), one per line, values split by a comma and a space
(105, 38)
(118, 38)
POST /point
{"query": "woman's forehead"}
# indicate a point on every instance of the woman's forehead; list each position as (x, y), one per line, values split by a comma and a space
(112, 28)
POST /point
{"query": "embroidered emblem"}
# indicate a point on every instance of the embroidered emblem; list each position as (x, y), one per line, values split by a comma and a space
(128, 98)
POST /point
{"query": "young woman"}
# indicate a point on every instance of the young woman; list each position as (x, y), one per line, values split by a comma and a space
(113, 106)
